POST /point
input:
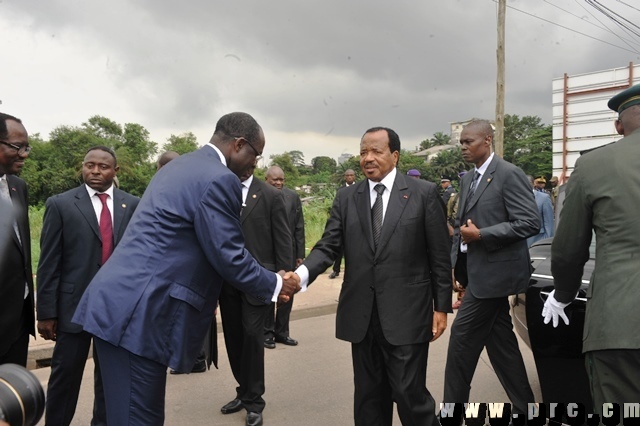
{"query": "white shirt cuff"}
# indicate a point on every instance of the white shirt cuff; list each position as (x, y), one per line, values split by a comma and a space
(303, 273)
(278, 288)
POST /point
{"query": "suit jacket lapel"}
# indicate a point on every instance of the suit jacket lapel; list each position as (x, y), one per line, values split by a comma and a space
(119, 209)
(18, 205)
(363, 207)
(252, 199)
(397, 202)
(83, 203)
(485, 181)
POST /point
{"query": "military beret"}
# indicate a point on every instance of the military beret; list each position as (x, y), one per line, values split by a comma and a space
(462, 173)
(413, 172)
(554, 179)
(625, 99)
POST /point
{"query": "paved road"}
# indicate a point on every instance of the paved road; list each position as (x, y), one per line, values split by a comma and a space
(311, 384)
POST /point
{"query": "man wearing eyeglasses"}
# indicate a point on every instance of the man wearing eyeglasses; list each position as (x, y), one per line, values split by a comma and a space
(151, 304)
(16, 280)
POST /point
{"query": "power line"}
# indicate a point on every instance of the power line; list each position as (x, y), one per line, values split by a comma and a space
(570, 29)
(628, 5)
(625, 40)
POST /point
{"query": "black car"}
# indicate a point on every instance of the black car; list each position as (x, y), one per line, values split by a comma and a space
(557, 351)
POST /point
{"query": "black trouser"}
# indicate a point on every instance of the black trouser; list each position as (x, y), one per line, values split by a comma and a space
(67, 366)
(384, 373)
(485, 323)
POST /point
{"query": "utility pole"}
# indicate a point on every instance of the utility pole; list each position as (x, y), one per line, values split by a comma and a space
(499, 132)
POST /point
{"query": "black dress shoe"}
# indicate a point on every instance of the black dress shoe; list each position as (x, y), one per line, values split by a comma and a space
(254, 419)
(232, 407)
(270, 343)
(333, 275)
(199, 367)
(286, 340)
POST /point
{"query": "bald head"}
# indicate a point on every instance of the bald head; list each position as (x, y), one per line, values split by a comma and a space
(275, 177)
(628, 121)
(166, 157)
(349, 176)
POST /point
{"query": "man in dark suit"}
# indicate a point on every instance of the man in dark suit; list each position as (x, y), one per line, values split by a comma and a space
(278, 330)
(79, 231)
(397, 273)
(349, 180)
(602, 197)
(268, 239)
(16, 279)
(150, 306)
(496, 214)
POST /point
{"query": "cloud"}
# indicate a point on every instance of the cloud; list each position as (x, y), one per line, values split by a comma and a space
(320, 72)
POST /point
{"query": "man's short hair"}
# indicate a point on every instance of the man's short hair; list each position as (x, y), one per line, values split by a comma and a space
(4, 133)
(105, 149)
(238, 124)
(394, 139)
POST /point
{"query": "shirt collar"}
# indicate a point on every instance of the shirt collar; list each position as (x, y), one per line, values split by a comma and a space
(485, 166)
(247, 182)
(387, 181)
(222, 159)
(93, 192)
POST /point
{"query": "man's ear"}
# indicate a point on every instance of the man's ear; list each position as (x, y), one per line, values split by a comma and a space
(619, 127)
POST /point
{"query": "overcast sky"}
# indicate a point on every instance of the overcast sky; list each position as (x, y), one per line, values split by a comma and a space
(315, 74)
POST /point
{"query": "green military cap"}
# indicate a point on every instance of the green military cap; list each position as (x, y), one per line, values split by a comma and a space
(625, 99)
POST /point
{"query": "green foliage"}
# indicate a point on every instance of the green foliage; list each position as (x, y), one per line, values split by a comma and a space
(182, 144)
(528, 144)
(285, 162)
(323, 164)
(54, 166)
(438, 138)
(449, 163)
(316, 212)
(297, 158)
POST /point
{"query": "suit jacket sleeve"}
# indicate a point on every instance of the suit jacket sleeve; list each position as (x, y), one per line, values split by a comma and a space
(570, 248)
(298, 236)
(328, 248)
(280, 233)
(438, 243)
(547, 217)
(522, 214)
(50, 264)
(217, 225)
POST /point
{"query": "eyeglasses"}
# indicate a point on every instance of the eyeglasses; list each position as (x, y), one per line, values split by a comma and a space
(258, 155)
(22, 149)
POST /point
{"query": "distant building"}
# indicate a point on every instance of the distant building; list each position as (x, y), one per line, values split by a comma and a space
(344, 158)
(581, 118)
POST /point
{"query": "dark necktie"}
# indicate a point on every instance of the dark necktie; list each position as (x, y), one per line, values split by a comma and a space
(376, 214)
(106, 229)
(474, 184)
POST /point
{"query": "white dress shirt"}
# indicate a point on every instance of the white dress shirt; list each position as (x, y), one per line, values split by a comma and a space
(481, 170)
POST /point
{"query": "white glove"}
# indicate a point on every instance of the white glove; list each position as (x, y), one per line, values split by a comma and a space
(553, 309)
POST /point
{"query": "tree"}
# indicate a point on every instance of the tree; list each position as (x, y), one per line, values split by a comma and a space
(182, 144)
(54, 166)
(297, 158)
(438, 138)
(285, 162)
(528, 144)
(323, 164)
(449, 163)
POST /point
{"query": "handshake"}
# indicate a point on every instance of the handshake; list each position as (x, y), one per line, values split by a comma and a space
(290, 286)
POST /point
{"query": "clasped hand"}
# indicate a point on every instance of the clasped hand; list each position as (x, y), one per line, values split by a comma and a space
(469, 232)
(290, 286)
